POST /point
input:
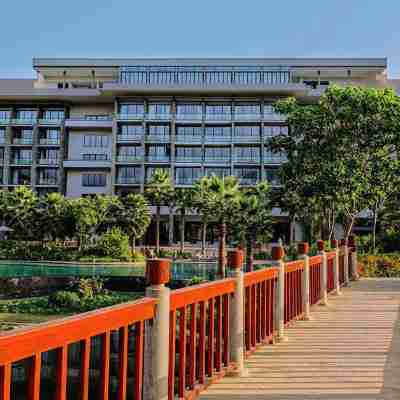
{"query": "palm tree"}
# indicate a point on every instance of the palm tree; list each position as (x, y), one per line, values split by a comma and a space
(253, 222)
(134, 217)
(183, 202)
(160, 192)
(218, 199)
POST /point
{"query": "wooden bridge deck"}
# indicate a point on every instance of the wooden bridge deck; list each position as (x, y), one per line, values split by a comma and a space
(350, 350)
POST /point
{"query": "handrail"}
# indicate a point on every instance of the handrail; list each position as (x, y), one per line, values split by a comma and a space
(315, 260)
(294, 266)
(251, 278)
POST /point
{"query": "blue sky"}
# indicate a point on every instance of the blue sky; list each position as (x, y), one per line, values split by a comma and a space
(258, 28)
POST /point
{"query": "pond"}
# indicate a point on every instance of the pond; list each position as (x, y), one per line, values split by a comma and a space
(179, 270)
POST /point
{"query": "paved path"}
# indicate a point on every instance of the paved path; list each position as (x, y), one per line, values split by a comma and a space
(350, 350)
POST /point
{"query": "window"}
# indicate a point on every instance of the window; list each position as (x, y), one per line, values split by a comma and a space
(23, 154)
(189, 131)
(159, 130)
(27, 114)
(132, 109)
(2, 135)
(130, 151)
(98, 117)
(187, 176)
(159, 108)
(53, 114)
(220, 172)
(158, 152)
(187, 111)
(95, 141)
(94, 180)
(131, 130)
(253, 109)
(95, 157)
(129, 175)
(48, 176)
(272, 175)
(217, 153)
(248, 176)
(21, 176)
(1, 153)
(271, 131)
(247, 131)
(247, 153)
(188, 152)
(5, 114)
(50, 155)
(218, 132)
(218, 111)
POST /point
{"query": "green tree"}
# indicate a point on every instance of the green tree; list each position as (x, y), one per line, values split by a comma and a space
(252, 222)
(134, 217)
(159, 191)
(219, 199)
(183, 201)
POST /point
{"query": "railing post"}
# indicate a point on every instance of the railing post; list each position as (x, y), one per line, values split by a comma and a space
(235, 261)
(156, 355)
(277, 256)
(353, 252)
(336, 282)
(343, 244)
(303, 249)
(324, 273)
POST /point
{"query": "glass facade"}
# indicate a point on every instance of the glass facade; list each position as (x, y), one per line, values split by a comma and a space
(94, 180)
(129, 175)
(132, 109)
(187, 176)
(218, 133)
(48, 176)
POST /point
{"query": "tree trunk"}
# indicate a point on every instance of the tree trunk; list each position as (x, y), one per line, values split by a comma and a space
(182, 229)
(204, 239)
(133, 244)
(375, 220)
(349, 227)
(249, 254)
(158, 211)
(222, 250)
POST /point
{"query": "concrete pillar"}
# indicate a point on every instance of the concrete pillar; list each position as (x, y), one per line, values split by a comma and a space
(343, 244)
(235, 261)
(277, 256)
(336, 281)
(324, 274)
(353, 256)
(303, 249)
(155, 376)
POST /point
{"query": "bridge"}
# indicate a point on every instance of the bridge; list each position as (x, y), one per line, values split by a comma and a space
(292, 330)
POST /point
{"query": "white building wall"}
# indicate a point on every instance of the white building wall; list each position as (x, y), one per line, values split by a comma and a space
(76, 148)
(75, 188)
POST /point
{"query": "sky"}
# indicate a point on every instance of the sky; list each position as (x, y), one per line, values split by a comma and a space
(197, 28)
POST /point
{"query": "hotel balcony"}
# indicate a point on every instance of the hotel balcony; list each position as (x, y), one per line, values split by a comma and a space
(47, 182)
(158, 117)
(21, 161)
(23, 141)
(192, 160)
(85, 122)
(24, 121)
(130, 117)
(246, 139)
(247, 117)
(5, 121)
(189, 118)
(246, 160)
(50, 122)
(217, 160)
(218, 118)
(158, 138)
(218, 139)
(129, 138)
(128, 180)
(129, 159)
(81, 163)
(49, 142)
(187, 139)
(158, 159)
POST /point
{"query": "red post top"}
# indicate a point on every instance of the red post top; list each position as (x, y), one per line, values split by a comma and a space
(343, 242)
(235, 258)
(334, 243)
(157, 271)
(320, 245)
(303, 248)
(277, 253)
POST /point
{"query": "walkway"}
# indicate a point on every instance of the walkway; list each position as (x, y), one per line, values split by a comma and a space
(350, 350)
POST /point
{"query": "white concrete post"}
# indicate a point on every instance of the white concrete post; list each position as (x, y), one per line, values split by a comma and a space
(343, 243)
(303, 249)
(235, 261)
(336, 280)
(277, 256)
(156, 345)
(324, 273)
(353, 255)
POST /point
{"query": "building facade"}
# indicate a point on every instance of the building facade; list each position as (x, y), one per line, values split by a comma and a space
(102, 126)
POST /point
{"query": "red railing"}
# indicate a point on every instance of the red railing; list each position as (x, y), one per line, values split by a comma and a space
(330, 259)
(82, 357)
(293, 290)
(315, 279)
(260, 287)
(341, 268)
(199, 336)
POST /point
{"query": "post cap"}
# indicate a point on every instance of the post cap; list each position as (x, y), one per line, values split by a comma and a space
(235, 258)
(158, 271)
(343, 242)
(303, 248)
(334, 243)
(352, 241)
(320, 245)
(277, 253)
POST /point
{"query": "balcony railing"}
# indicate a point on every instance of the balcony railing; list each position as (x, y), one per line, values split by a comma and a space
(246, 160)
(130, 117)
(247, 181)
(129, 158)
(129, 138)
(47, 182)
(128, 180)
(246, 139)
(217, 160)
(21, 161)
(24, 121)
(5, 121)
(51, 122)
(185, 159)
(158, 138)
(163, 159)
(27, 141)
(48, 161)
(218, 117)
(274, 117)
(188, 139)
(48, 141)
(189, 117)
(218, 139)
(186, 181)
(247, 117)
(158, 117)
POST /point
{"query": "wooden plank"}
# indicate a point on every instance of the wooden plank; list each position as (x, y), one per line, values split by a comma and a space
(35, 366)
(61, 373)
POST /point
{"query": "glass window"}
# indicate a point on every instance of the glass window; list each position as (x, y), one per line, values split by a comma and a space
(5, 114)
(130, 151)
(247, 131)
(23, 154)
(218, 110)
(129, 173)
(217, 153)
(53, 114)
(220, 172)
(247, 109)
(95, 141)
(27, 114)
(250, 153)
(159, 108)
(132, 109)
(95, 157)
(48, 176)
(248, 176)
(218, 131)
(49, 154)
(159, 130)
(192, 152)
(189, 131)
(183, 110)
(187, 176)
(158, 151)
(94, 180)
(134, 130)
(53, 134)
(2, 135)
(271, 131)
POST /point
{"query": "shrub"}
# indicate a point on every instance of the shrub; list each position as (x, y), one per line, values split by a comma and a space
(137, 256)
(114, 243)
(381, 266)
(64, 299)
